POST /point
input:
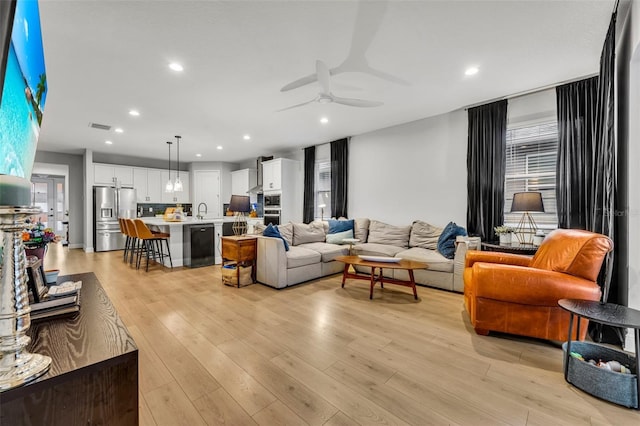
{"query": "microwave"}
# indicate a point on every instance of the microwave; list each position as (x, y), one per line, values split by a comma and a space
(272, 200)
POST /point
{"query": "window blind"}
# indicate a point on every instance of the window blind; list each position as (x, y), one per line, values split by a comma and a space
(323, 188)
(531, 166)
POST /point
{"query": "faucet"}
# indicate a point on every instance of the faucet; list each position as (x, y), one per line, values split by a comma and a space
(199, 216)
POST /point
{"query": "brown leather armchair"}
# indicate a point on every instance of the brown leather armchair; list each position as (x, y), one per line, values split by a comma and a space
(519, 295)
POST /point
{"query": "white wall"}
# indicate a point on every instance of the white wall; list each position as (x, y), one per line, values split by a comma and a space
(412, 171)
(532, 109)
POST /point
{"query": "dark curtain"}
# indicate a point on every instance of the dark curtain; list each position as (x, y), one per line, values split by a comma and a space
(309, 184)
(586, 170)
(486, 168)
(576, 106)
(339, 177)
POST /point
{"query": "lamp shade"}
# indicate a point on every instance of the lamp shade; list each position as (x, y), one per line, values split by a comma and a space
(240, 203)
(527, 202)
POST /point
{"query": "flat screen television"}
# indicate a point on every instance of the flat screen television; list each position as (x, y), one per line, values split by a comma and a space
(22, 98)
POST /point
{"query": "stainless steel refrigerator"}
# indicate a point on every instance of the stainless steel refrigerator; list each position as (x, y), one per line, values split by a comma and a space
(110, 204)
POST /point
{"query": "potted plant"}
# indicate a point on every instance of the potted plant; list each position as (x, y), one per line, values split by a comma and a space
(504, 233)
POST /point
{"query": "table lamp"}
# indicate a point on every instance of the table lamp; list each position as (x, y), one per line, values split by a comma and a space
(239, 205)
(526, 202)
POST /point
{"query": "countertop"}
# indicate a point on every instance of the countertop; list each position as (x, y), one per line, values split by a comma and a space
(190, 220)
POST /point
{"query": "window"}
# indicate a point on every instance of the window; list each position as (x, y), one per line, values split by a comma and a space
(531, 166)
(323, 189)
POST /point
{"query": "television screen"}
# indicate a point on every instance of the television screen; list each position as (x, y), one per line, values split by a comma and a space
(24, 93)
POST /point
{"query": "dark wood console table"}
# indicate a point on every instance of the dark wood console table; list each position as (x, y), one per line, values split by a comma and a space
(93, 377)
(515, 248)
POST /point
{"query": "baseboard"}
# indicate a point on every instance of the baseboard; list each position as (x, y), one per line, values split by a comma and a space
(76, 246)
(87, 249)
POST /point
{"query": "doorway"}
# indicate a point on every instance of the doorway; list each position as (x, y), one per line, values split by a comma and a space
(48, 193)
(207, 190)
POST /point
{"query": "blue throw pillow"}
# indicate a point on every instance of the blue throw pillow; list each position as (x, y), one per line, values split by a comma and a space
(272, 231)
(447, 240)
(336, 226)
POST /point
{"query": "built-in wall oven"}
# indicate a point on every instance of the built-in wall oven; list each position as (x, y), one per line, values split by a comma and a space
(272, 216)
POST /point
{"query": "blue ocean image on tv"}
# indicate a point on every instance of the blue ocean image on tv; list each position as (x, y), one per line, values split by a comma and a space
(24, 94)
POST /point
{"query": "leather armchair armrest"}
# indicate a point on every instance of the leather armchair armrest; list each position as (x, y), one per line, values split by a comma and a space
(529, 286)
(474, 256)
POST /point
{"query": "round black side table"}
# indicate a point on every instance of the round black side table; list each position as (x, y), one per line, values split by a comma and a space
(603, 313)
(514, 248)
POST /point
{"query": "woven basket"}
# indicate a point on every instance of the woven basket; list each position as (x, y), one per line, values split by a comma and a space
(230, 277)
(619, 388)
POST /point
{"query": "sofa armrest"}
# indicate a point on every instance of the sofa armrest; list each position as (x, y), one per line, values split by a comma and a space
(271, 262)
(474, 256)
(463, 245)
(529, 286)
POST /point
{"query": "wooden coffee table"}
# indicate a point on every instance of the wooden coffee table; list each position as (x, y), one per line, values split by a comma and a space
(408, 265)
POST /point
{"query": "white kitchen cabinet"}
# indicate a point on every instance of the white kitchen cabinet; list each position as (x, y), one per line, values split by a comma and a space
(284, 176)
(112, 175)
(243, 180)
(184, 197)
(148, 185)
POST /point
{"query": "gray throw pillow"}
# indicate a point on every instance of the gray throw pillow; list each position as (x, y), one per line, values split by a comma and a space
(424, 235)
(286, 231)
(308, 233)
(383, 233)
(361, 229)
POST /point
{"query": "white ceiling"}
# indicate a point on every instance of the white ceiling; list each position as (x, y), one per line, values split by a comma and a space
(105, 57)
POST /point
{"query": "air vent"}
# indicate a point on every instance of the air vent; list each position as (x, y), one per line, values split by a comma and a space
(99, 126)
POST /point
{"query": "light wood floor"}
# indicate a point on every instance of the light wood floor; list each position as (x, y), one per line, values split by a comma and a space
(320, 355)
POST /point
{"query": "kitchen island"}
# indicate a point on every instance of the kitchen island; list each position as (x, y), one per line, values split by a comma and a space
(176, 233)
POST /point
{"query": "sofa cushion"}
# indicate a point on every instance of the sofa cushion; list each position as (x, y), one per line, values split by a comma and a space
(308, 233)
(361, 229)
(447, 240)
(328, 251)
(373, 249)
(435, 261)
(301, 256)
(286, 231)
(272, 231)
(383, 233)
(336, 226)
(338, 237)
(424, 235)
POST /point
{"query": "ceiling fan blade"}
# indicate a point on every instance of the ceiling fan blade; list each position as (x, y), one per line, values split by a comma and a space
(356, 102)
(324, 77)
(296, 106)
(300, 82)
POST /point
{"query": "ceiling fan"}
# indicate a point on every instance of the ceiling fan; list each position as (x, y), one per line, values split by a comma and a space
(324, 78)
(369, 18)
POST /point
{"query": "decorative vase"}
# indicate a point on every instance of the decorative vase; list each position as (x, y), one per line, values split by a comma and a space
(37, 252)
(505, 238)
(17, 365)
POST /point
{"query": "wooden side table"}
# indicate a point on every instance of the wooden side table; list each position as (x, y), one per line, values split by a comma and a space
(241, 249)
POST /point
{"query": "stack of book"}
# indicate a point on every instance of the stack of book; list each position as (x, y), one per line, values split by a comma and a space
(60, 300)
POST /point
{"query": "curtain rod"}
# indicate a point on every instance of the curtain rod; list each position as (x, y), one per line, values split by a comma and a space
(531, 91)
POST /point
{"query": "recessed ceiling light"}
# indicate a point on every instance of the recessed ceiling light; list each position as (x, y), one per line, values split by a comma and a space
(471, 71)
(324, 120)
(176, 66)
(198, 155)
(134, 112)
(108, 142)
(246, 137)
(118, 130)
(219, 147)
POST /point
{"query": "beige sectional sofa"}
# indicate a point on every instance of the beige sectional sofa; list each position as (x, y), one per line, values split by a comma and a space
(310, 256)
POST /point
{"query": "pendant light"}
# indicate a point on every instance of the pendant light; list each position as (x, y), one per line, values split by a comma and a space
(169, 186)
(177, 187)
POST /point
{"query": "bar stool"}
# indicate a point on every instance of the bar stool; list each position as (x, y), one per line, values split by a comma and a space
(133, 238)
(127, 242)
(149, 242)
